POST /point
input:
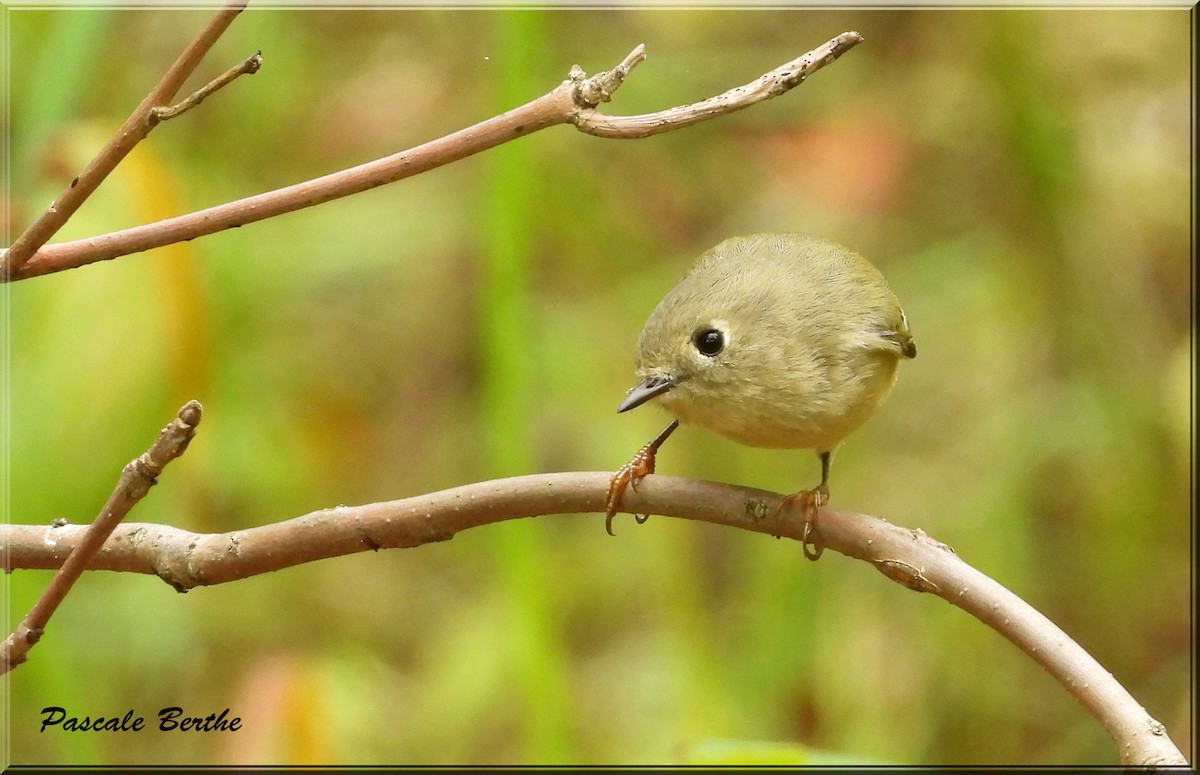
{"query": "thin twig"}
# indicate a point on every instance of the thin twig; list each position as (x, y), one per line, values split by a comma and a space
(572, 102)
(135, 128)
(186, 560)
(136, 480)
(779, 81)
(249, 67)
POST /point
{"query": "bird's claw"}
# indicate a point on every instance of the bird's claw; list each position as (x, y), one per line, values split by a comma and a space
(628, 475)
(812, 500)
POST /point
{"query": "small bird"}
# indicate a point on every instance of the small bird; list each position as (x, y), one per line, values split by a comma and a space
(773, 340)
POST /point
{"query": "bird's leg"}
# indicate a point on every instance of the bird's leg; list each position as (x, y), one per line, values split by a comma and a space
(631, 473)
(813, 500)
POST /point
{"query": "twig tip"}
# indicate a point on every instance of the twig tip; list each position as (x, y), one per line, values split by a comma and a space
(846, 41)
(191, 412)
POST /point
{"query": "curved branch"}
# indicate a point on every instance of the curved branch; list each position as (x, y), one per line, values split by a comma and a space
(909, 557)
(571, 102)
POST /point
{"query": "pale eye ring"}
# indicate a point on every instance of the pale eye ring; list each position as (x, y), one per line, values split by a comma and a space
(709, 342)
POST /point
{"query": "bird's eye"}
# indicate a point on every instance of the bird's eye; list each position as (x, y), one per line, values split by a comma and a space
(709, 341)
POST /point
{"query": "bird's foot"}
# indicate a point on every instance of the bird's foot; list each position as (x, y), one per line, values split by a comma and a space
(631, 473)
(628, 475)
(811, 501)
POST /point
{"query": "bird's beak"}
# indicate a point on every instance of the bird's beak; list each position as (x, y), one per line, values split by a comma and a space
(651, 387)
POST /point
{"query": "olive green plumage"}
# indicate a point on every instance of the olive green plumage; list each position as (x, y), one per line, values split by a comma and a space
(775, 340)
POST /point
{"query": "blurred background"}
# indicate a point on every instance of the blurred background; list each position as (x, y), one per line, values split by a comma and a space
(1022, 178)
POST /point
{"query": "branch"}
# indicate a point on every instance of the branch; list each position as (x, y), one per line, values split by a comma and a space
(572, 102)
(249, 67)
(779, 81)
(136, 480)
(186, 560)
(133, 131)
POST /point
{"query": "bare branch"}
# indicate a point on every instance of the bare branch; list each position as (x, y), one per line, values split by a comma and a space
(573, 101)
(909, 557)
(136, 480)
(523, 120)
(779, 81)
(135, 128)
(249, 67)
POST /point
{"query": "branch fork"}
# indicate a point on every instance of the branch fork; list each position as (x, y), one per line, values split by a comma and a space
(137, 477)
(29, 245)
(574, 102)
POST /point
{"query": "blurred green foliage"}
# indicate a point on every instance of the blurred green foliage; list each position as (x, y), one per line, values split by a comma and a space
(1021, 177)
